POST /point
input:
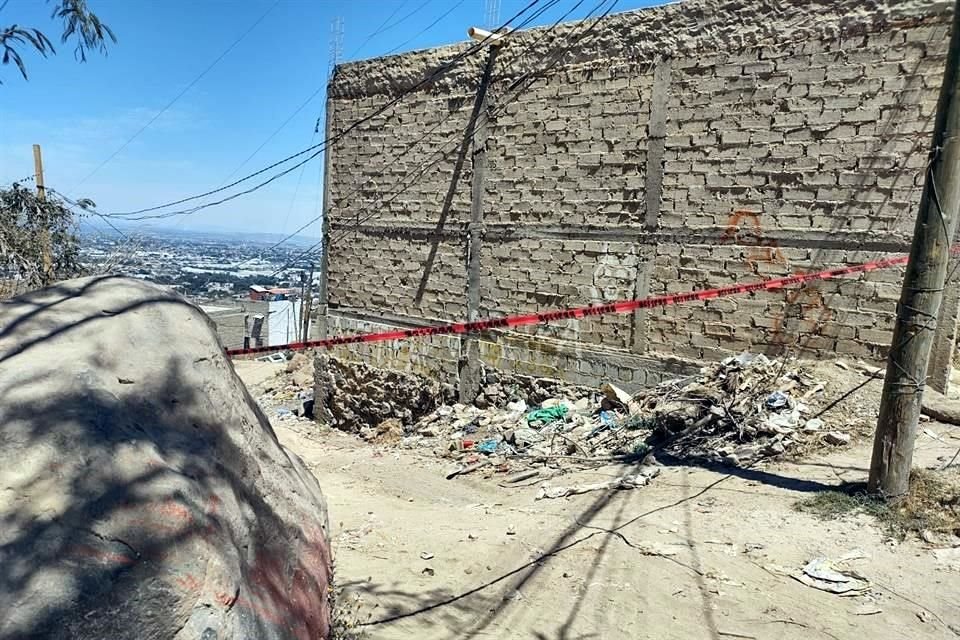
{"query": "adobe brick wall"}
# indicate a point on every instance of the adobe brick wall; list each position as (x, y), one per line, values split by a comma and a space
(675, 148)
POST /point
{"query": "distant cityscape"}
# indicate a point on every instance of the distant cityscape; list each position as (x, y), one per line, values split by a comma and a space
(203, 266)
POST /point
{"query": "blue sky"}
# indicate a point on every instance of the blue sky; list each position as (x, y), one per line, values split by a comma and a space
(82, 113)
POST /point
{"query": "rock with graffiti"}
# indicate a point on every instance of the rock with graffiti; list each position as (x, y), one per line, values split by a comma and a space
(142, 492)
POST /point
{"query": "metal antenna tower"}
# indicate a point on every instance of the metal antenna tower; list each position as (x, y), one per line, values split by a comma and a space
(491, 13)
(336, 43)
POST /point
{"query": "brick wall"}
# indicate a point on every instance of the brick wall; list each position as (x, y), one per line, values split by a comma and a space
(669, 149)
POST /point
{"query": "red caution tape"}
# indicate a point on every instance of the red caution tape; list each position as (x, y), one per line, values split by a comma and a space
(625, 306)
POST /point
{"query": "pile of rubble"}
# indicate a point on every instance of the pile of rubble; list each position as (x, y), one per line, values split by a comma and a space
(382, 405)
(358, 398)
(738, 411)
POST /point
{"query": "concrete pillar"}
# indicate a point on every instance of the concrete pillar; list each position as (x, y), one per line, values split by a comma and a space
(322, 304)
(653, 190)
(470, 365)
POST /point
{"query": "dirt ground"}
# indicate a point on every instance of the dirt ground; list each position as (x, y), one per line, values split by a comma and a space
(699, 553)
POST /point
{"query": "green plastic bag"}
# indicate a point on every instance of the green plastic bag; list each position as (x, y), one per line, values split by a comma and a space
(544, 417)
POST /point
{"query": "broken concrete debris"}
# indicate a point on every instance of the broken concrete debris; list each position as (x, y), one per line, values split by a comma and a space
(738, 411)
(822, 574)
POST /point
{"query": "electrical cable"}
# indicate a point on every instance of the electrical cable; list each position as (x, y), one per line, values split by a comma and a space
(425, 29)
(177, 97)
(532, 75)
(315, 149)
(275, 132)
(443, 120)
(86, 210)
(379, 29)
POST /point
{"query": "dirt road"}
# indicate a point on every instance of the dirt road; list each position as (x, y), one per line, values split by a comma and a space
(699, 553)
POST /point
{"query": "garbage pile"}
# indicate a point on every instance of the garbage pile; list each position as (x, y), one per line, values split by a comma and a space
(739, 411)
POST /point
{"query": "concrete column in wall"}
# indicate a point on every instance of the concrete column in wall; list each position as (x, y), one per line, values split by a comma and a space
(653, 191)
(641, 289)
(470, 366)
(656, 138)
(322, 306)
(945, 341)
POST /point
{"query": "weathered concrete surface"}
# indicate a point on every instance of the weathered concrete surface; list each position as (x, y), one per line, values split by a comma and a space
(679, 29)
(142, 492)
(788, 136)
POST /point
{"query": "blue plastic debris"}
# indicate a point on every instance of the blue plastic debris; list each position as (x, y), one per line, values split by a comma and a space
(777, 400)
(487, 446)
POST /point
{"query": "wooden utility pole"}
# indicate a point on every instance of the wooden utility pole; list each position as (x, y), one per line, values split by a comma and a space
(38, 172)
(305, 307)
(470, 366)
(300, 317)
(46, 251)
(922, 292)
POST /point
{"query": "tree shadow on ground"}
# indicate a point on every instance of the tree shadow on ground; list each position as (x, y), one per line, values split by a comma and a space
(471, 613)
(137, 507)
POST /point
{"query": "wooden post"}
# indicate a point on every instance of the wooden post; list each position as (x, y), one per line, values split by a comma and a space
(470, 355)
(46, 253)
(38, 172)
(305, 305)
(303, 283)
(922, 292)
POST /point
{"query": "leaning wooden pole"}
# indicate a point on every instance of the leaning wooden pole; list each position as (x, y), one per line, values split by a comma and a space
(922, 292)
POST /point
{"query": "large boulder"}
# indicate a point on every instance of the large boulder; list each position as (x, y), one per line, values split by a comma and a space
(142, 492)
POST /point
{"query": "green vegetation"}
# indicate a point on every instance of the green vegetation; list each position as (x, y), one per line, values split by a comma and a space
(38, 240)
(78, 24)
(933, 504)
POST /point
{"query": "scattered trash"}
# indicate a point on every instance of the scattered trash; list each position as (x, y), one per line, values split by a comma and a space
(836, 438)
(869, 369)
(520, 477)
(518, 406)
(614, 393)
(738, 411)
(867, 609)
(426, 555)
(470, 468)
(427, 571)
(543, 417)
(511, 530)
(777, 400)
(821, 573)
(488, 446)
(949, 558)
(624, 482)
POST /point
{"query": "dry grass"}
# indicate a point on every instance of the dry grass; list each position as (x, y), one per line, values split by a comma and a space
(933, 504)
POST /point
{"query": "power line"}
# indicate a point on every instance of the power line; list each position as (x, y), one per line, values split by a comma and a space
(425, 29)
(315, 149)
(532, 75)
(85, 208)
(384, 27)
(424, 136)
(296, 189)
(379, 29)
(177, 97)
(265, 142)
